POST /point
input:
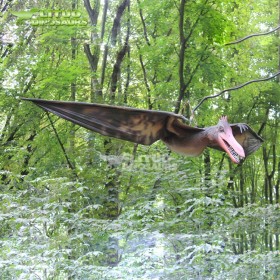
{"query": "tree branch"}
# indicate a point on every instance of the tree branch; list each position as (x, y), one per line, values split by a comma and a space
(92, 12)
(104, 18)
(117, 68)
(183, 46)
(234, 88)
(144, 25)
(92, 58)
(253, 35)
(185, 85)
(117, 21)
(6, 6)
(146, 81)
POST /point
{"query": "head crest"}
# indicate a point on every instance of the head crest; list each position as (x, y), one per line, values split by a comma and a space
(224, 122)
(223, 119)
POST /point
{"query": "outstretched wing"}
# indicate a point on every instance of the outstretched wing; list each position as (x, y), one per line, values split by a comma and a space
(135, 125)
(246, 137)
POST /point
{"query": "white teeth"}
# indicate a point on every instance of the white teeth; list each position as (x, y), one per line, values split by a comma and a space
(236, 156)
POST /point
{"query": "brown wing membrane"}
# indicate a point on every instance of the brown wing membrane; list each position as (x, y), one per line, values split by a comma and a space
(135, 125)
(246, 137)
(181, 130)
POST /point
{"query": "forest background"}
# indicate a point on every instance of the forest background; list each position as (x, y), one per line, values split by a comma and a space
(77, 205)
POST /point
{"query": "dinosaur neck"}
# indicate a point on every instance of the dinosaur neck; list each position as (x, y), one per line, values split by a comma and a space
(192, 145)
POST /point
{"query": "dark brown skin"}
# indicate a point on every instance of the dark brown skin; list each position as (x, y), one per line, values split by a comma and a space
(147, 126)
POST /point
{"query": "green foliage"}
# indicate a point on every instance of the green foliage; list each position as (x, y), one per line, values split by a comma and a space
(77, 205)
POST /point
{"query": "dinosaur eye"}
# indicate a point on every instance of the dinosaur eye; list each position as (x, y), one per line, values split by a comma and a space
(221, 129)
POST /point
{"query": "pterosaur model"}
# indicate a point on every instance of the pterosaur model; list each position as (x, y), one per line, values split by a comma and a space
(147, 126)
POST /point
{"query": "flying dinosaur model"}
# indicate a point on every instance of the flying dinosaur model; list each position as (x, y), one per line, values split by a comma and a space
(147, 126)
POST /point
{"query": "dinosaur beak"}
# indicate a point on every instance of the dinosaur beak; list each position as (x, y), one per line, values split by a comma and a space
(229, 144)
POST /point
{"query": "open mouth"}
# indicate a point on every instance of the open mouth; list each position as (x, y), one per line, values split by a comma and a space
(234, 154)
